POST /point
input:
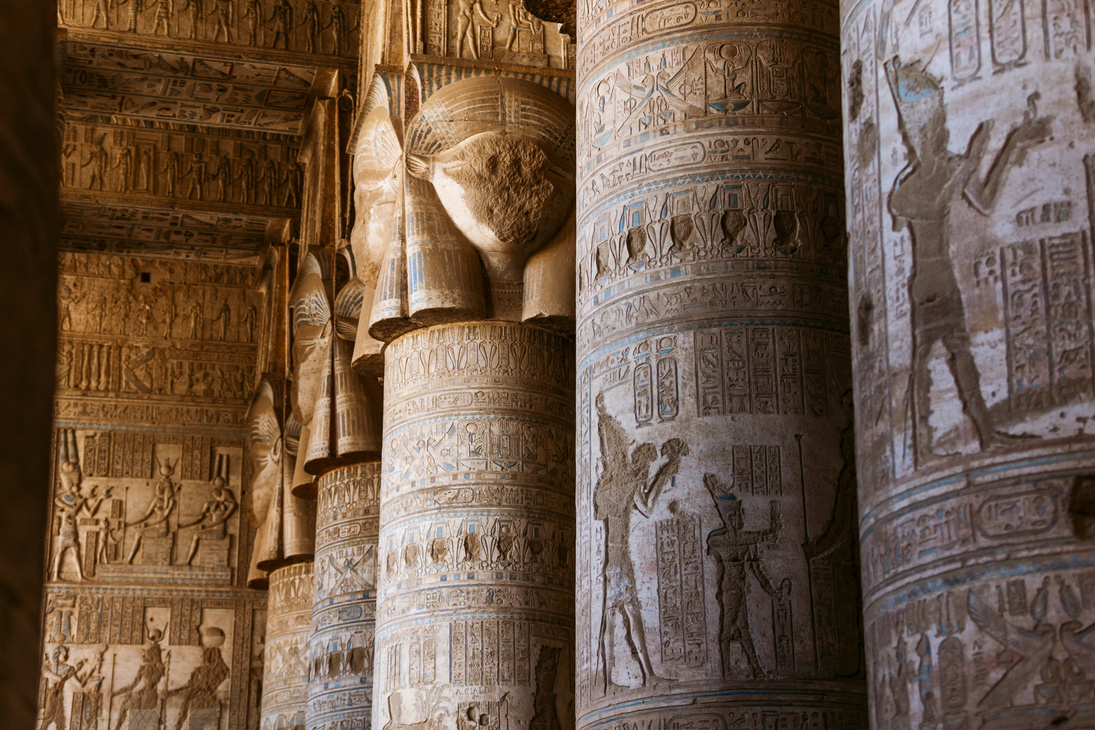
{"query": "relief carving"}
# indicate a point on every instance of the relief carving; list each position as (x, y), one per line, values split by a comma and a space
(624, 485)
(922, 198)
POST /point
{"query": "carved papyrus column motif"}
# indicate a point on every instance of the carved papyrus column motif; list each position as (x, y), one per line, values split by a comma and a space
(340, 671)
(716, 491)
(969, 158)
(474, 614)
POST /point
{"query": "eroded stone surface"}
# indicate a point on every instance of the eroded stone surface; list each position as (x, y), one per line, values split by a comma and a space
(968, 155)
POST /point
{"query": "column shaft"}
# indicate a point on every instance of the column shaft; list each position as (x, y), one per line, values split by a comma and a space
(288, 628)
(474, 614)
(716, 485)
(344, 606)
(969, 158)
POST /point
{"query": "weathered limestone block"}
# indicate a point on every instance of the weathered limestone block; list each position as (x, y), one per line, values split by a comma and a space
(716, 486)
(969, 145)
(340, 674)
(474, 622)
(288, 628)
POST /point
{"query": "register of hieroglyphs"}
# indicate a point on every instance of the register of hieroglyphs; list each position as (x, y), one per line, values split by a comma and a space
(716, 484)
(969, 139)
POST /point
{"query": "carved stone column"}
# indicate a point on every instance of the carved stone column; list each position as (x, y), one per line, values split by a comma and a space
(288, 628)
(970, 159)
(344, 604)
(474, 614)
(716, 485)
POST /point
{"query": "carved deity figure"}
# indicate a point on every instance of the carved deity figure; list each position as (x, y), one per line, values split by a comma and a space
(268, 179)
(293, 180)
(222, 19)
(164, 10)
(195, 320)
(96, 159)
(224, 318)
(622, 487)
(171, 167)
(736, 553)
(336, 21)
(247, 176)
(934, 182)
(143, 692)
(223, 173)
(199, 172)
(200, 691)
(70, 504)
(154, 522)
(102, 8)
(522, 20)
(252, 11)
(283, 24)
(196, 14)
(310, 22)
(213, 518)
(469, 24)
(124, 165)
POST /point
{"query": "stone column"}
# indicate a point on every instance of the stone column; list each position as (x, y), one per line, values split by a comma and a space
(970, 161)
(340, 686)
(716, 485)
(474, 614)
(29, 222)
(288, 628)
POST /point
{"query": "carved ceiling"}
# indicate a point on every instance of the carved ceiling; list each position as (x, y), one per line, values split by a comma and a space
(183, 119)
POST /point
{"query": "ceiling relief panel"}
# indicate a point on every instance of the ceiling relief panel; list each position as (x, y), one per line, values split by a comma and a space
(287, 26)
(115, 81)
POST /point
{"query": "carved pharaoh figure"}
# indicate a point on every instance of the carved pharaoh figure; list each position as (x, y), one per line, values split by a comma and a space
(622, 487)
(736, 554)
(70, 504)
(925, 192)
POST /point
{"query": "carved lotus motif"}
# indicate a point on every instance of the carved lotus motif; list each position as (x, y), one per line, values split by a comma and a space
(507, 193)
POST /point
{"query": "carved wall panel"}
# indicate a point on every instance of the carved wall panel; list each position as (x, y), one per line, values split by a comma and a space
(968, 157)
(474, 616)
(154, 657)
(489, 30)
(341, 658)
(288, 627)
(716, 479)
(133, 163)
(147, 622)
